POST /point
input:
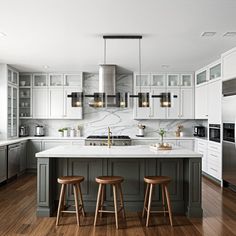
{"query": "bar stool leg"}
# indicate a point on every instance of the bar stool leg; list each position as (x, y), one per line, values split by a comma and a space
(102, 199)
(62, 193)
(145, 200)
(163, 199)
(98, 204)
(76, 204)
(81, 199)
(149, 204)
(115, 204)
(168, 204)
(121, 200)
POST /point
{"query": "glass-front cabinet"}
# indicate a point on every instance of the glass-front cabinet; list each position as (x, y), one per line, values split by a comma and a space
(142, 80)
(25, 95)
(201, 77)
(12, 76)
(215, 72)
(73, 80)
(173, 80)
(12, 119)
(56, 80)
(186, 80)
(158, 80)
(40, 80)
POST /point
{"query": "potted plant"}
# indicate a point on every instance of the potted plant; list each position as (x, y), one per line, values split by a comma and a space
(60, 132)
(65, 132)
(161, 132)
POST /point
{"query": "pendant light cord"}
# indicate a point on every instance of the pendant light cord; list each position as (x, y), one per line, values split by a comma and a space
(105, 51)
(139, 65)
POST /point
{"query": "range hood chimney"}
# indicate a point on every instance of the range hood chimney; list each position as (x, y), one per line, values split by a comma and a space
(107, 79)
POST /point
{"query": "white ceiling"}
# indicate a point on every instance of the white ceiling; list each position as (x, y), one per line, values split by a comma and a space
(66, 35)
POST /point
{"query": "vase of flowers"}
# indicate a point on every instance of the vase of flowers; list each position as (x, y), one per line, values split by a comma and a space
(162, 132)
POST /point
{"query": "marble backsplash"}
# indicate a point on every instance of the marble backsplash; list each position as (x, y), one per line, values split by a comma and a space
(95, 121)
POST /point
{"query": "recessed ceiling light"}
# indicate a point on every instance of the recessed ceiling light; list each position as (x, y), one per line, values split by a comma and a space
(165, 66)
(229, 34)
(2, 34)
(45, 66)
(208, 34)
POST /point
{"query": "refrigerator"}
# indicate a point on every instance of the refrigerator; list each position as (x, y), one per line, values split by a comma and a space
(229, 134)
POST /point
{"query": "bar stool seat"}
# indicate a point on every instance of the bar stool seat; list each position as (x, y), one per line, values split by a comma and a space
(75, 181)
(115, 181)
(151, 182)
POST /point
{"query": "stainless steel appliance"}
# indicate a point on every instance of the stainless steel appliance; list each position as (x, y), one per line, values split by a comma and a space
(229, 122)
(23, 131)
(199, 131)
(102, 140)
(13, 160)
(39, 131)
(214, 133)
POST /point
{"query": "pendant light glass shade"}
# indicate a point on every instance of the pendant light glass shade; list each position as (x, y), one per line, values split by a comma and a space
(165, 100)
(143, 99)
(99, 100)
(76, 99)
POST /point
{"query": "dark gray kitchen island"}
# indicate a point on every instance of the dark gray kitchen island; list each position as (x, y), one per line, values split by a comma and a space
(131, 162)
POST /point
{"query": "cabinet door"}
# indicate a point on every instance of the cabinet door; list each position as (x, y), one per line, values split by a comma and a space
(228, 65)
(214, 102)
(3, 164)
(186, 104)
(174, 111)
(157, 112)
(33, 147)
(40, 103)
(23, 156)
(56, 103)
(201, 102)
(142, 112)
(69, 111)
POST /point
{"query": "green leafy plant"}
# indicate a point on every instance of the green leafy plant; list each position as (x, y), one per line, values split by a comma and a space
(161, 132)
(60, 130)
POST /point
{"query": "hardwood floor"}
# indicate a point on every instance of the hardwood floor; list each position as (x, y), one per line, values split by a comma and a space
(18, 206)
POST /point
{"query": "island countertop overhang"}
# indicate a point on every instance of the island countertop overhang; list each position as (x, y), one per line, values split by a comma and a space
(135, 151)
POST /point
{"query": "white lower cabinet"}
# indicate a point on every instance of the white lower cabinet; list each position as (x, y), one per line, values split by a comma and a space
(56, 103)
(212, 157)
(186, 143)
(54, 143)
(40, 103)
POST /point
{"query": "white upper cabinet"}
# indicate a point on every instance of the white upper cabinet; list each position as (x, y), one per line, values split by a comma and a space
(201, 97)
(12, 76)
(157, 112)
(173, 111)
(187, 103)
(69, 111)
(158, 80)
(141, 80)
(74, 80)
(56, 103)
(173, 80)
(201, 76)
(214, 102)
(186, 80)
(215, 72)
(40, 103)
(229, 64)
(40, 80)
(56, 80)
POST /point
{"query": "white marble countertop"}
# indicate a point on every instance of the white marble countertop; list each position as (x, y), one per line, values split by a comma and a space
(12, 141)
(136, 151)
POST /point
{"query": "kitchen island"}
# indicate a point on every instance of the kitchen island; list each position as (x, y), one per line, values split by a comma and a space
(131, 162)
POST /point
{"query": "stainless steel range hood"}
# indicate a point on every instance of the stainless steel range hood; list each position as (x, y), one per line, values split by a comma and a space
(107, 79)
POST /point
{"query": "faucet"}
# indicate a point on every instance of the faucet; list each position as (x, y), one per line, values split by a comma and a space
(109, 141)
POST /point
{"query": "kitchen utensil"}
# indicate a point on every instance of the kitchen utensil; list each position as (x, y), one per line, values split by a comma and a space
(39, 131)
(23, 131)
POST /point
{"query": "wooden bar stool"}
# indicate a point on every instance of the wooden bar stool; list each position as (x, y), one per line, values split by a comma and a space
(151, 182)
(115, 181)
(75, 181)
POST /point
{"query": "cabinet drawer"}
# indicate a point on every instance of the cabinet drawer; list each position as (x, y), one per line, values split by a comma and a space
(214, 171)
(214, 157)
(214, 147)
(202, 144)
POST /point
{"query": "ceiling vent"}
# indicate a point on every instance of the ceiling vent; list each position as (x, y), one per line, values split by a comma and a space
(208, 34)
(229, 34)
